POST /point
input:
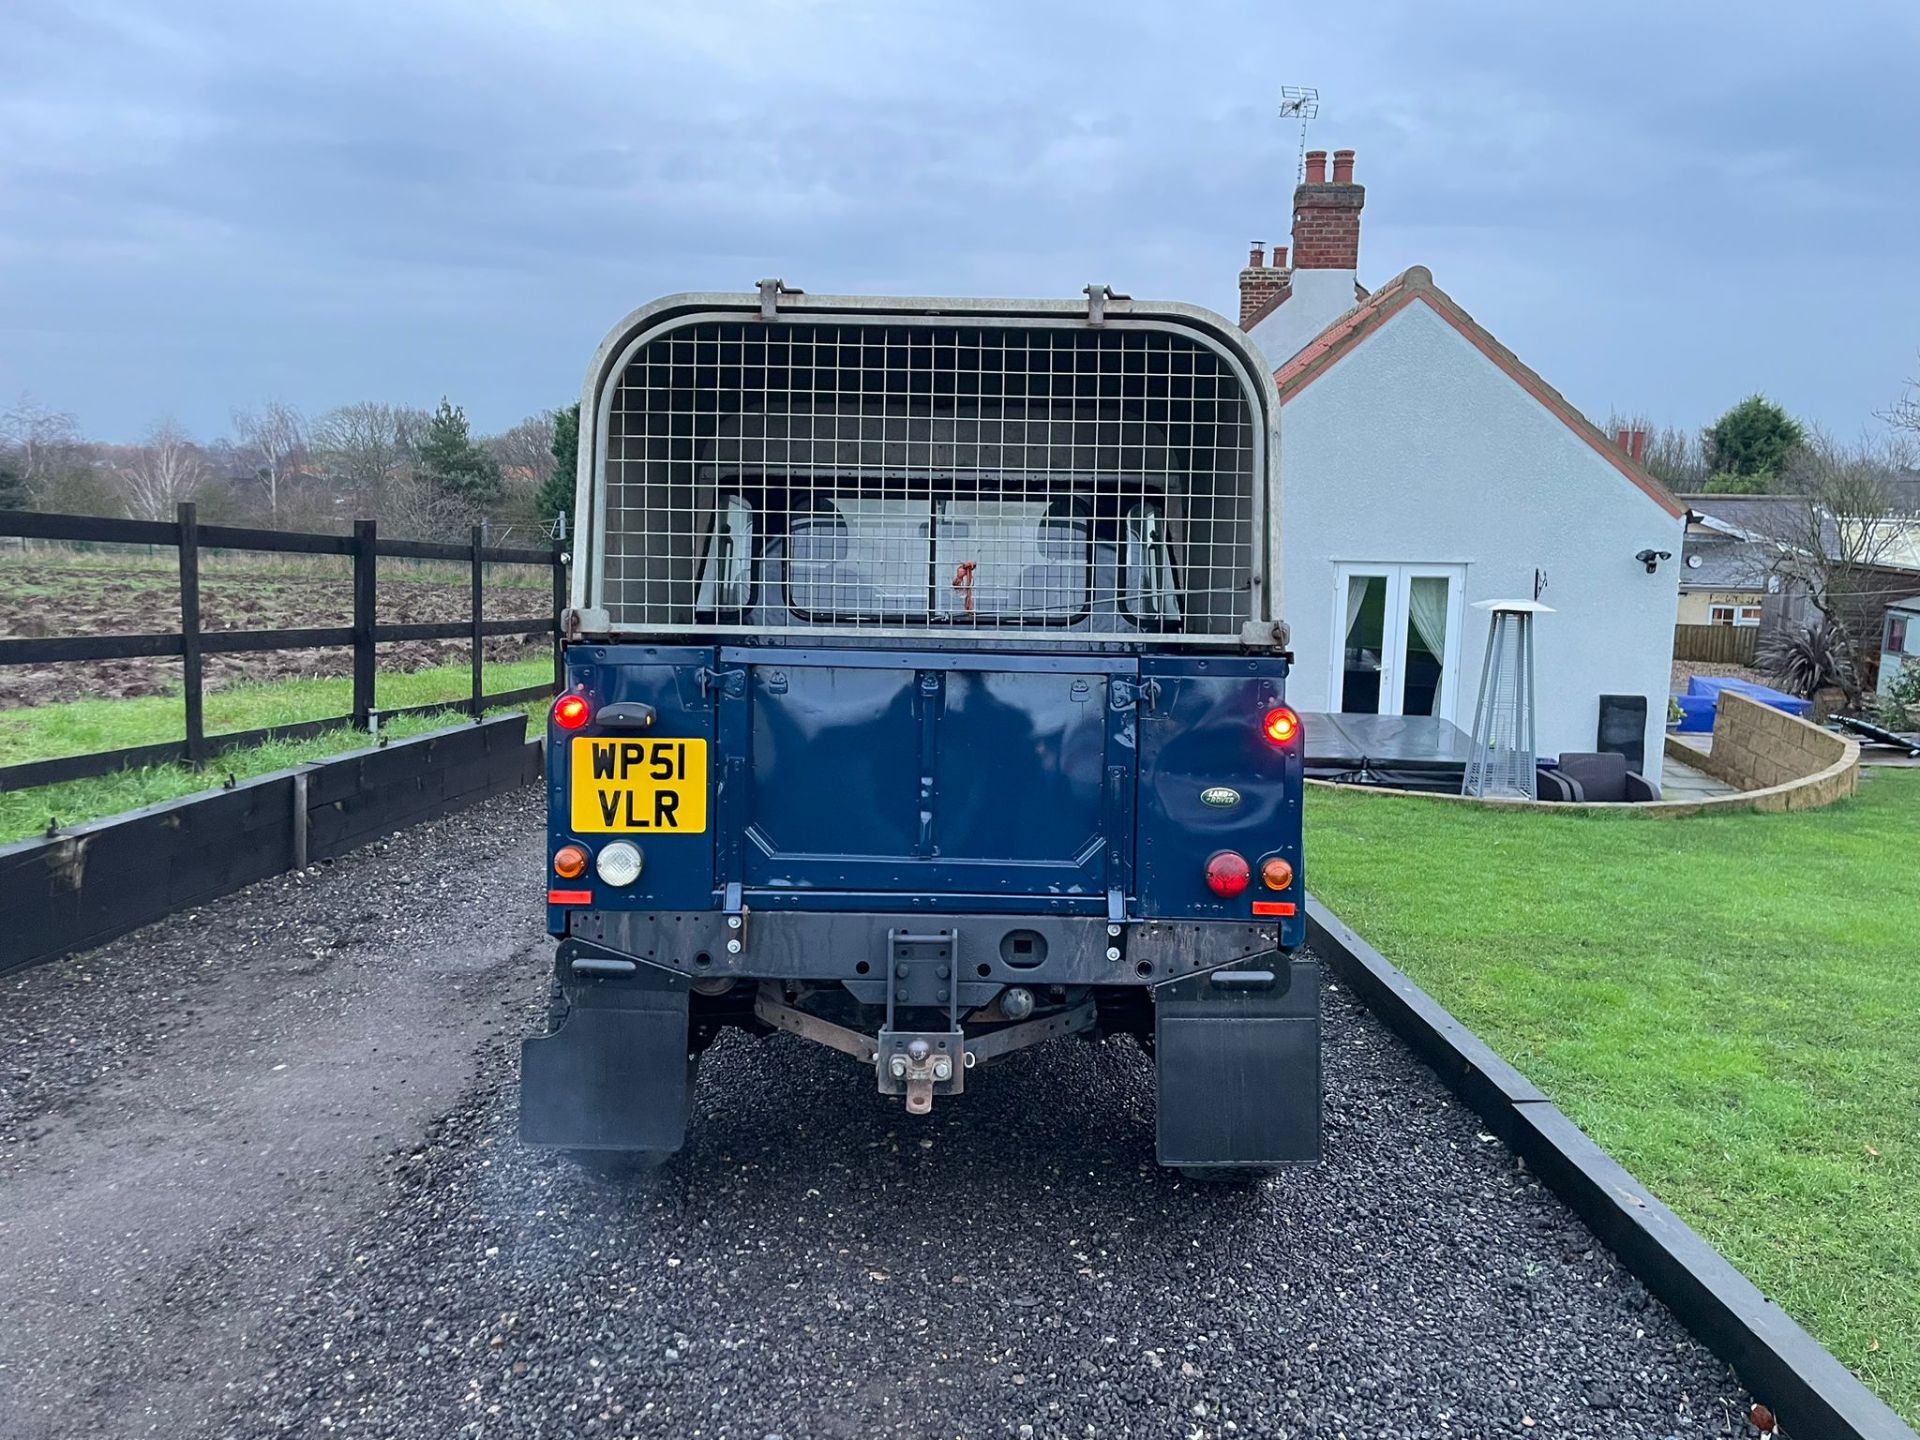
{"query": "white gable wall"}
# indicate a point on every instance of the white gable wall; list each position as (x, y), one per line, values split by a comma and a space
(1415, 448)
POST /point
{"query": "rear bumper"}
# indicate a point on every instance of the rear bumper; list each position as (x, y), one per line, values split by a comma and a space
(989, 951)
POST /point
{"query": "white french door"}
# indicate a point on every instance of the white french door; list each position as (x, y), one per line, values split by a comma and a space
(1396, 642)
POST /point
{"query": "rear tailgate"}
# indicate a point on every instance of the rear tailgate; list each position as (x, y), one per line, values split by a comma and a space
(929, 773)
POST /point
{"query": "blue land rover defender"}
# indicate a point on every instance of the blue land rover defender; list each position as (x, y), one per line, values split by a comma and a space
(925, 699)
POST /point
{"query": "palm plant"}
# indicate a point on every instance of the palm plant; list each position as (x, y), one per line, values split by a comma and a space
(1807, 659)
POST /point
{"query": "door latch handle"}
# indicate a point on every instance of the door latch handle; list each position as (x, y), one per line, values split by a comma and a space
(731, 682)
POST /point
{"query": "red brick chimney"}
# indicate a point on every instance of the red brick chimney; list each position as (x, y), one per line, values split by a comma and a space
(1260, 282)
(1326, 215)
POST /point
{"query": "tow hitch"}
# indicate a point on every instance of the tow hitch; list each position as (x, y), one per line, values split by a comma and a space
(913, 1064)
(922, 989)
(921, 1063)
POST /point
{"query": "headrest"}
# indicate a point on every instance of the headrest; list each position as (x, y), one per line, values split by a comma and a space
(818, 541)
(1061, 540)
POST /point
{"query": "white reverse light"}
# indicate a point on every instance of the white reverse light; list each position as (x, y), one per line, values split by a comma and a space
(618, 863)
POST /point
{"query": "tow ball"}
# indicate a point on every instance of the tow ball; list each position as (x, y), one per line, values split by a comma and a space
(917, 1065)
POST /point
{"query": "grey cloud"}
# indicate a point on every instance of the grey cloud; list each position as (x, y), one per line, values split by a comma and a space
(332, 202)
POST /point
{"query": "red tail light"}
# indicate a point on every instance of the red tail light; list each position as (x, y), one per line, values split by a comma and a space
(1227, 874)
(1282, 726)
(571, 712)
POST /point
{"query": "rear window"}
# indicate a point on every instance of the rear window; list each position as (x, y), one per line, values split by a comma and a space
(867, 558)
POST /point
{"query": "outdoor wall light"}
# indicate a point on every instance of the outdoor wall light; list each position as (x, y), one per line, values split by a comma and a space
(1652, 558)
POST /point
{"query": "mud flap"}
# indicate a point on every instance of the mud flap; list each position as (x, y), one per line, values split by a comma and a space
(615, 1075)
(1237, 1066)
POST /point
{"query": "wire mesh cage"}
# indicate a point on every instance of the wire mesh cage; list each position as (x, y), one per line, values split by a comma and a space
(884, 476)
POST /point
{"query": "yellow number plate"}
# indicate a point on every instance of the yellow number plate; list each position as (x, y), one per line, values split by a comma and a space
(655, 786)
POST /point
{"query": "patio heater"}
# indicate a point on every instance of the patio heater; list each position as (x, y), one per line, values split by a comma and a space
(1500, 756)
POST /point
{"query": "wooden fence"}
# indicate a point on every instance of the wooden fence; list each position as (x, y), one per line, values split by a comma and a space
(191, 644)
(1716, 644)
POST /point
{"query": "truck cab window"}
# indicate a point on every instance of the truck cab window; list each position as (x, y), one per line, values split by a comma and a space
(1150, 594)
(726, 575)
(993, 558)
(1016, 559)
(860, 557)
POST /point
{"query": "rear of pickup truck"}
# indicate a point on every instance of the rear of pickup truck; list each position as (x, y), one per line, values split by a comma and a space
(924, 768)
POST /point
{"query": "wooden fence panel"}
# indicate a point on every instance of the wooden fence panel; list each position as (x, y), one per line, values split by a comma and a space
(1716, 644)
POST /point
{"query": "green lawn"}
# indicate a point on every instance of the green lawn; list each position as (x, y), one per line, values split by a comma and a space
(79, 726)
(1730, 1005)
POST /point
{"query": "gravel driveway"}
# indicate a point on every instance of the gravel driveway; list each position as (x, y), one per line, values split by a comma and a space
(258, 1177)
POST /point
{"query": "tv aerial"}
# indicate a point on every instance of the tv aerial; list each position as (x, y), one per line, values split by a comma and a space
(1302, 103)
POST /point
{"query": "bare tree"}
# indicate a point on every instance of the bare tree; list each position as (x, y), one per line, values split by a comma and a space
(275, 440)
(413, 507)
(41, 441)
(525, 457)
(363, 450)
(1904, 417)
(156, 475)
(1678, 458)
(525, 452)
(1846, 540)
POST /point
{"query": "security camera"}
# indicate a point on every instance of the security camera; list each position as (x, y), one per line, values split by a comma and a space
(1652, 558)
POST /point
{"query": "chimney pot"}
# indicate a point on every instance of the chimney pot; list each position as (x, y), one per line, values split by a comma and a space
(1343, 167)
(1279, 257)
(1620, 440)
(1639, 444)
(1258, 256)
(1316, 167)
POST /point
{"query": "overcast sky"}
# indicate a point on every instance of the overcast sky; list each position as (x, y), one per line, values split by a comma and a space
(1661, 208)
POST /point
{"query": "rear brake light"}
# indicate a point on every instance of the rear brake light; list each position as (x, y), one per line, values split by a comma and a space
(1282, 726)
(569, 862)
(571, 712)
(1276, 873)
(1227, 874)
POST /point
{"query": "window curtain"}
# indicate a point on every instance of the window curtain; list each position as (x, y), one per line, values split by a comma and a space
(1427, 612)
(1356, 601)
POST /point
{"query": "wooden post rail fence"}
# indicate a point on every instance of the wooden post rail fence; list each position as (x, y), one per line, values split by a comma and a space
(192, 644)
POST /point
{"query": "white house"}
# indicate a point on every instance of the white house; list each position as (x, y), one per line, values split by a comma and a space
(1424, 469)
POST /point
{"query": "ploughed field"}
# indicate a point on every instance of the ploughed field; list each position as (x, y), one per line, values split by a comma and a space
(259, 1177)
(47, 594)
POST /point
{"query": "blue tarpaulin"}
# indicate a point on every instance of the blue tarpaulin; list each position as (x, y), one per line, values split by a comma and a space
(1712, 687)
(1696, 713)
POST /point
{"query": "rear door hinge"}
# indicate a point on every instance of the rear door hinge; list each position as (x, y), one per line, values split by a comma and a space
(1124, 694)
